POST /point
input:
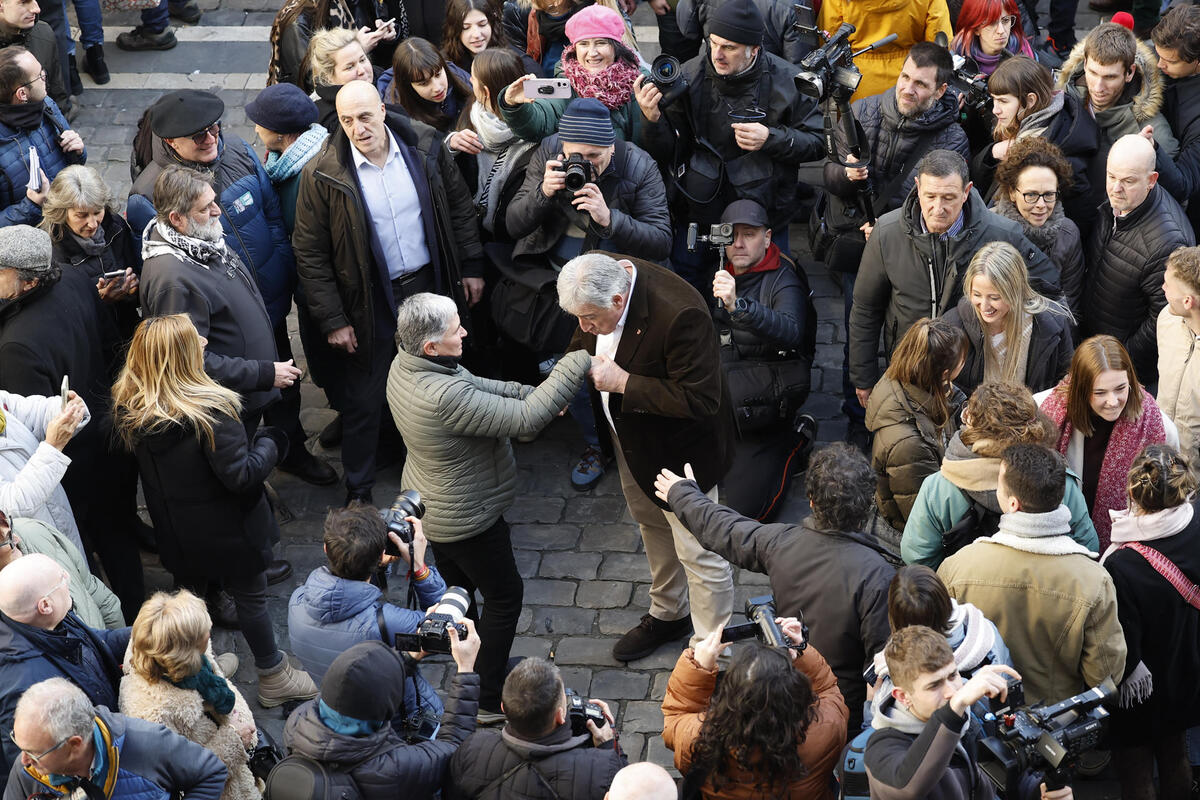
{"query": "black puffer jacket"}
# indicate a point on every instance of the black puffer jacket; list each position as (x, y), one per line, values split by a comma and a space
(838, 577)
(633, 189)
(892, 138)
(1126, 258)
(775, 313)
(768, 175)
(1181, 176)
(386, 767)
(558, 766)
(906, 274)
(1059, 239)
(1050, 348)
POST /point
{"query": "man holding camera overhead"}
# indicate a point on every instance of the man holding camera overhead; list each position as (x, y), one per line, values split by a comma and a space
(738, 130)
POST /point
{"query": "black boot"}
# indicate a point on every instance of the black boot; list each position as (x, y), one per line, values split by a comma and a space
(76, 83)
(95, 65)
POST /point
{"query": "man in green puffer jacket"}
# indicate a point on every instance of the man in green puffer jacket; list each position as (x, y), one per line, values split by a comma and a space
(457, 427)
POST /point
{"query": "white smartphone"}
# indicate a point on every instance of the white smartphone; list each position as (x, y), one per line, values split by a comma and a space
(547, 89)
(66, 390)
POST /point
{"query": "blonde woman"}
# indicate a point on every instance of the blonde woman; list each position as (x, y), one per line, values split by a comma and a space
(335, 57)
(172, 678)
(204, 484)
(1013, 333)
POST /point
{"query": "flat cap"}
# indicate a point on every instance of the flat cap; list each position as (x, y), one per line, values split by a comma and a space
(184, 112)
(25, 248)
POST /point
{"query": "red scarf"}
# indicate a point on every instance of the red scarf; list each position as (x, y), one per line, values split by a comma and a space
(1127, 440)
(612, 85)
(769, 263)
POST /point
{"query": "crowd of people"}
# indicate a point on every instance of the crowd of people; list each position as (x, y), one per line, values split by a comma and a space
(486, 215)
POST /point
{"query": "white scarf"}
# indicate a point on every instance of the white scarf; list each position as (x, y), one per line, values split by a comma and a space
(492, 130)
(1130, 527)
(1043, 534)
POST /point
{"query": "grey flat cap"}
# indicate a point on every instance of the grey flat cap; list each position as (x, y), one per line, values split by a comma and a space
(25, 248)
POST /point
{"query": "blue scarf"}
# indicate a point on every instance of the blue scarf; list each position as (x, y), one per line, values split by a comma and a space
(280, 167)
(211, 686)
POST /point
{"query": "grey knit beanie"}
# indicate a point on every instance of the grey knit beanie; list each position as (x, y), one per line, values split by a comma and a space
(25, 249)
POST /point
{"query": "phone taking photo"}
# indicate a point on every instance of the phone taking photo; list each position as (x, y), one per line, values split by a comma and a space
(66, 390)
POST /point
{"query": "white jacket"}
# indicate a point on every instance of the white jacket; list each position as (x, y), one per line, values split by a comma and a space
(30, 469)
(1179, 377)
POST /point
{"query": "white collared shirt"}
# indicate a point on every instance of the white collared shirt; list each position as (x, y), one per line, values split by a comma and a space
(607, 343)
(395, 209)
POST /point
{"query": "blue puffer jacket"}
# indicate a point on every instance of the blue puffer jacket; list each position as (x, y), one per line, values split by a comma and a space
(250, 215)
(87, 657)
(328, 614)
(14, 163)
(139, 761)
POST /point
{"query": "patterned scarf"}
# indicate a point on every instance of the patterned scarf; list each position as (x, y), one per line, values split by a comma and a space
(612, 86)
(201, 251)
(1127, 440)
(281, 166)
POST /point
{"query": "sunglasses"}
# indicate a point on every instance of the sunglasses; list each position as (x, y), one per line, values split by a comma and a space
(213, 130)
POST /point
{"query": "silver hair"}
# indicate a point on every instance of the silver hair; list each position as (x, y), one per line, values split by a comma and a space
(58, 706)
(177, 189)
(592, 279)
(76, 186)
(423, 318)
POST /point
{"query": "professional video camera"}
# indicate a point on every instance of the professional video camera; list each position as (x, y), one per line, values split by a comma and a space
(407, 504)
(1026, 745)
(433, 634)
(580, 172)
(579, 711)
(761, 613)
(666, 73)
(973, 90)
(829, 71)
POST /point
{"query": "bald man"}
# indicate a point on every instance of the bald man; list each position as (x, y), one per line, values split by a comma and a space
(642, 781)
(1138, 227)
(382, 214)
(40, 638)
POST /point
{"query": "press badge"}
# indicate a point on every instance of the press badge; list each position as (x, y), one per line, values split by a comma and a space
(243, 202)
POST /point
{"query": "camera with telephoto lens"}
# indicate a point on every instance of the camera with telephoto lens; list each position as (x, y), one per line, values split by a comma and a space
(579, 711)
(829, 70)
(974, 90)
(580, 172)
(762, 626)
(433, 634)
(719, 235)
(666, 73)
(1026, 745)
(407, 504)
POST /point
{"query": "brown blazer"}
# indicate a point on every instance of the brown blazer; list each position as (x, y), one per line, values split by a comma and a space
(676, 408)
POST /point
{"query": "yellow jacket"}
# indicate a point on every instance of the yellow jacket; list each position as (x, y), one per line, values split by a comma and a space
(911, 20)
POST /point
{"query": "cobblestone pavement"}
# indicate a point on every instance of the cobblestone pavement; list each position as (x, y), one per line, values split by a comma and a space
(586, 578)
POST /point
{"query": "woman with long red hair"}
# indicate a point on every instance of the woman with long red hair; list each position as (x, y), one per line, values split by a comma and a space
(990, 31)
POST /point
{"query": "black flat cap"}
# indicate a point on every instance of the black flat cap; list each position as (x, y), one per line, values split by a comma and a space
(185, 112)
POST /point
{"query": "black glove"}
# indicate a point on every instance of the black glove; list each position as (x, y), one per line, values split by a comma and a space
(277, 436)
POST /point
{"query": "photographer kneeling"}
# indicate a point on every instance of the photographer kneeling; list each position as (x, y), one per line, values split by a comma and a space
(774, 727)
(551, 748)
(346, 728)
(917, 749)
(457, 427)
(338, 606)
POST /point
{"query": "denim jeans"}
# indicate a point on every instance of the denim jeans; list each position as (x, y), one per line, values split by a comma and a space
(91, 26)
(155, 20)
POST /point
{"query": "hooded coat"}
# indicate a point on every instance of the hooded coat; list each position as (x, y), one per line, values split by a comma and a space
(906, 274)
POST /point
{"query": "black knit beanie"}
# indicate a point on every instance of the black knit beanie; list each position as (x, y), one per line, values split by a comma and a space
(738, 21)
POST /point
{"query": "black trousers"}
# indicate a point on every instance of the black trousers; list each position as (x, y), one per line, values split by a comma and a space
(485, 562)
(250, 599)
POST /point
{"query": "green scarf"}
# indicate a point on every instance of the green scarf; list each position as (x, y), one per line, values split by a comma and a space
(211, 686)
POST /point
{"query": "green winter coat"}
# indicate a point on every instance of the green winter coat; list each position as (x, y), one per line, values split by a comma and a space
(457, 427)
(91, 600)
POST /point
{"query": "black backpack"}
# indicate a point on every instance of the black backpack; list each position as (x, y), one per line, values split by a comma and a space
(978, 521)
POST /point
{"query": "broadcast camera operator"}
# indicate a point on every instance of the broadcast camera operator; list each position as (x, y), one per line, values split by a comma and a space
(923, 745)
(555, 746)
(338, 606)
(823, 567)
(739, 130)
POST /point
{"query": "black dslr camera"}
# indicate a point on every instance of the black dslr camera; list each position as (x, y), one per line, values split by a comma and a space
(1026, 745)
(407, 504)
(666, 73)
(579, 711)
(761, 613)
(580, 172)
(433, 634)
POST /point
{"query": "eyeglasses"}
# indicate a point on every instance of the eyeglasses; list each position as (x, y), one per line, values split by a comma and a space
(1033, 197)
(41, 76)
(1007, 21)
(213, 130)
(39, 756)
(61, 583)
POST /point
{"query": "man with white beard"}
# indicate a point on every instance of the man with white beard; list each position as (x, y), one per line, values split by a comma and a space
(188, 269)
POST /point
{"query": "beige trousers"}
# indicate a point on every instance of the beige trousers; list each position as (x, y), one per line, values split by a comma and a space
(680, 568)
